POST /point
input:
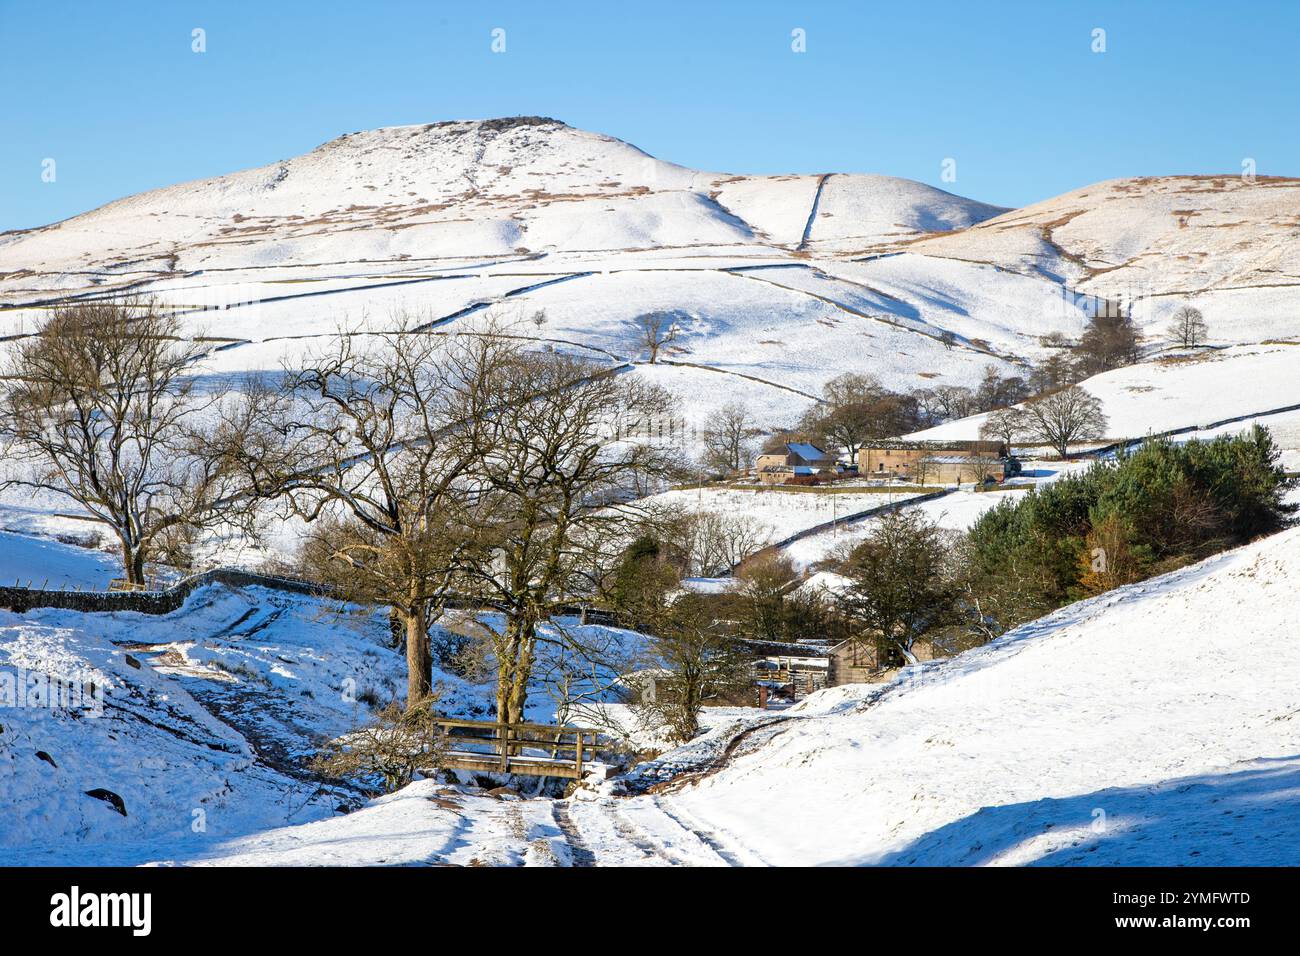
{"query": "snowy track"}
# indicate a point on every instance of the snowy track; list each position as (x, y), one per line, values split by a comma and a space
(637, 831)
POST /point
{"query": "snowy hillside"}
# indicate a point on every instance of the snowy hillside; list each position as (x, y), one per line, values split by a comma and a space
(1225, 244)
(1186, 391)
(454, 221)
(1135, 728)
(127, 738)
(780, 282)
(1124, 730)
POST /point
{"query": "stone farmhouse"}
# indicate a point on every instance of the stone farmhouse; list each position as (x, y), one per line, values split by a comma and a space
(798, 459)
(937, 462)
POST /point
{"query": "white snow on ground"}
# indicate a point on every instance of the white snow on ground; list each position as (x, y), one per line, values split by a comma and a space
(1141, 727)
(956, 511)
(199, 715)
(1136, 727)
(199, 720)
(457, 221)
(1220, 243)
(40, 561)
(1180, 392)
(783, 512)
(423, 824)
(1145, 726)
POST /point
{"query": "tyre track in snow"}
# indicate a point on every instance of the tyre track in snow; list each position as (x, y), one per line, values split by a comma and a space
(638, 837)
(660, 848)
(579, 852)
(727, 850)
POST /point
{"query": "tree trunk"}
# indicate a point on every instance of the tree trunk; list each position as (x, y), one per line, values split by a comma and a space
(419, 661)
(515, 667)
(133, 563)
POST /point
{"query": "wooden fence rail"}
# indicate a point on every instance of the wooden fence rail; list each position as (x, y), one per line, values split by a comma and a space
(537, 750)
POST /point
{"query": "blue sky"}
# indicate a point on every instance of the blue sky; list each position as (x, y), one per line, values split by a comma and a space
(1012, 91)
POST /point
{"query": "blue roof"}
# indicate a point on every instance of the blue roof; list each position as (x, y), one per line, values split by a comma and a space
(802, 470)
(806, 451)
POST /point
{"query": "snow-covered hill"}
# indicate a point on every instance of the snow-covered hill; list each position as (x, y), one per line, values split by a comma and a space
(508, 217)
(1226, 244)
(479, 189)
(782, 282)
(1137, 728)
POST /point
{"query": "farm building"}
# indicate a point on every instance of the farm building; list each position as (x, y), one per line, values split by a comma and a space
(946, 462)
(797, 459)
(864, 661)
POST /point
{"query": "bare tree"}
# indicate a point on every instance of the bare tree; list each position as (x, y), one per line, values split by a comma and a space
(924, 467)
(102, 410)
(728, 438)
(721, 541)
(857, 408)
(1188, 328)
(1052, 373)
(955, 401)
(1005, 425)
(363, 457)
(1110, 340)
(388, 751)
(765, 583)
(1064, 417)
(552, 487)
(657, 330)
(983, 468)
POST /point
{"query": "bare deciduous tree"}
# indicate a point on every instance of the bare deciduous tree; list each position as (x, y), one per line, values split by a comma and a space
(728, 438)
(389, 750)
(1062, 418)
(1005, 425)
(657, 330)
(1110, 340)
(1188, 328)
(102, 409)
(551, 488)
(718, 542)
(697, 661)
(765, 583)
(363, 456)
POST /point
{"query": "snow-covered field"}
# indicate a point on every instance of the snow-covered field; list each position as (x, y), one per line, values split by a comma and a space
(956, 511)
(453, 222)
(27, 559)
(780, 513)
